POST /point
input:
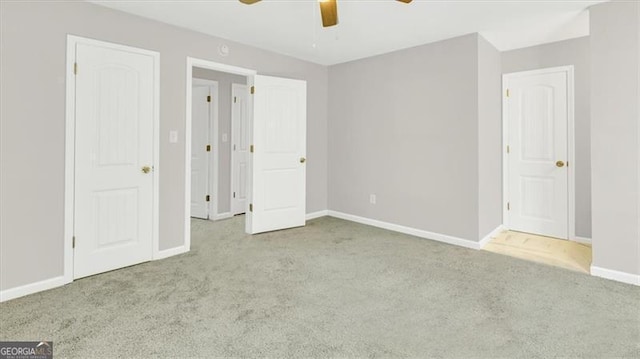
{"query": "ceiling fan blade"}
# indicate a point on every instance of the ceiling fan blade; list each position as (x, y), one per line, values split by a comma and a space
(405, 1)
(249, 2)
(329, 11)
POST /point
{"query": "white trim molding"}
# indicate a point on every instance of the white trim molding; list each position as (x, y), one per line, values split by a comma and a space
(491, 235)
(583, 240)
(220, 216)
(32, 288)
(318, 214)
(166, 253)
(408, 230)
(615, 275)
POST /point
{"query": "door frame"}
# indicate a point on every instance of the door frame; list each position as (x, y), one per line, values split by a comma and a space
(569, 70)
(69, 153)
(234, 173)
(213, 160)
(192, 62)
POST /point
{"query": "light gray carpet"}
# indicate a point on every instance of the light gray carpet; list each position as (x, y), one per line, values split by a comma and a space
(331, 289)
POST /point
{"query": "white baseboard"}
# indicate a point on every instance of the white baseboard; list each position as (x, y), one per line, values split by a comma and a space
(615, 275)
(318, 214)
(166, 253)
(217, 217)
(578, 239)
(483, 242)
(407, 230)
(27, 289)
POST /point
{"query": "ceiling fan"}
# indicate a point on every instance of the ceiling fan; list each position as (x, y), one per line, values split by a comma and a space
(328, 9)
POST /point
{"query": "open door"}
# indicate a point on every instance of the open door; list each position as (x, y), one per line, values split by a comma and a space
(278, 179)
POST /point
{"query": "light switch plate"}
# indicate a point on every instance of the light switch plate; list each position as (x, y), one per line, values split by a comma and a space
(224, 137)
(173, 136)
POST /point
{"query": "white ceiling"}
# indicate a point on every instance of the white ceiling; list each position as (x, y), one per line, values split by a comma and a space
(368, 27)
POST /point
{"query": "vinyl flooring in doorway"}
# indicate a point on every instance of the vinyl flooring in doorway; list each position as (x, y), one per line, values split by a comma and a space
(540, 249)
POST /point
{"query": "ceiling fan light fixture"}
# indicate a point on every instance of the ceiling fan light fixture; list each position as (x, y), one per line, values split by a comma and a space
(329, 12)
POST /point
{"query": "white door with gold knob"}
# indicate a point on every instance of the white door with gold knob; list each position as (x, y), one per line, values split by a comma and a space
(278, 181)
(114, 152)
(537, 109)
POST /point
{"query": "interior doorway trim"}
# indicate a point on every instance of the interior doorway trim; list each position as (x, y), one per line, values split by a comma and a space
(569, 70)
(209, 65)
(69, 159)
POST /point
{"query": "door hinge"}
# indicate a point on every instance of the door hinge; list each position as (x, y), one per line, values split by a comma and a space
(251, 148)
(508, 93)
(207, 198)
(253, 90)
(73, 242)
(508, 149)
(250, 207)
(209, 98)
(208, 148)
(75, 68)
(234, 195)
(508, 206)
(235, 99)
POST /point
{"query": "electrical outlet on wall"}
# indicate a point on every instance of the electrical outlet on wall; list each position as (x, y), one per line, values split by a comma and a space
(372, 198)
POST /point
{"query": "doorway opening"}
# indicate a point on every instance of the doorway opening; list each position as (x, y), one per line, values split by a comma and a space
(539, 167)
(208, 138)
(265, 177)
(220, 144)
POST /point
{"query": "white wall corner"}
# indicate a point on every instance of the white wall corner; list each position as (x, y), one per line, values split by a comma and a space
(318, 214)
(31, 288)
(483, 242)
(408, 230)
(615, 275)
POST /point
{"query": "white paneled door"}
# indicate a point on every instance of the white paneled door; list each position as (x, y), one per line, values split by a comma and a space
(537, 110)
(200, 150)
(241, 140)
(114, 157)
(279, 155)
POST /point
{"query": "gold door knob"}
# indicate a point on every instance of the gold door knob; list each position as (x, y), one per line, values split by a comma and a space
(146, 169)
(559, 164)
(303, 160)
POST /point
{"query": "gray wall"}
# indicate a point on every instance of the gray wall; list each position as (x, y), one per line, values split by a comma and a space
(404, 126)
(569, 52)
(33, 36)
(615, 136)
(224, 127)
(489, 138)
